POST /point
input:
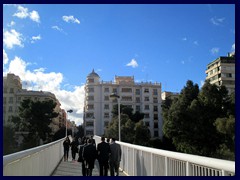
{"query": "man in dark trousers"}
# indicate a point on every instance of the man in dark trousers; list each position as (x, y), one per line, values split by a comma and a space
(103, 150)
(89, 156)
(115, 157)
(80, 156)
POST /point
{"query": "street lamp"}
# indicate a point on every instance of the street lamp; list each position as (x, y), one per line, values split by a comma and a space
(69, 111)
(114, 96)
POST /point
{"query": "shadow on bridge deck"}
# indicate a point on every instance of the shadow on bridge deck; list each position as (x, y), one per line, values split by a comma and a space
(74, 168)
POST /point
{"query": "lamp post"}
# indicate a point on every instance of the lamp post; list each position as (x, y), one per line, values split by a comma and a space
(114, 96)
(69, 111)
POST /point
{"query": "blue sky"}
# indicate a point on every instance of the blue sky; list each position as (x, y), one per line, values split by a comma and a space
(54, 47)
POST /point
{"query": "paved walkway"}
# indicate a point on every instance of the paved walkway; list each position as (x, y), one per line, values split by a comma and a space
(74, 168)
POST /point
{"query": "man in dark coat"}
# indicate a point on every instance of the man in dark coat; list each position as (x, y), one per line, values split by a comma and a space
(74, 148)
(80, 156)
(103, 150)
(66, 145)
(115, 157)
(89, 156)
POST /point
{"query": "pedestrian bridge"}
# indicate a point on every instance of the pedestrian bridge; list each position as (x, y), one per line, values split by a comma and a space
(136, 161)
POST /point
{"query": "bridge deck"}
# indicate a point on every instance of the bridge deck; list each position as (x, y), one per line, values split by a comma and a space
(74, 168)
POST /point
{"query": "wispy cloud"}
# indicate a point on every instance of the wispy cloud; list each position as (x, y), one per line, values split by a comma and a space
(217, 21)
(133, 63)
(12, 23)
(184, 39)
(36, 38)
(233, 47)
(5, 57)
(195, 43)
(70, 19)
(23, 13)
(214, 51)
(38, 79)
(12, 38)
(183, 62)
(58, 29)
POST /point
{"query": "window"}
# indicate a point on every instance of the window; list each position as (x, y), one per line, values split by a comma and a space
(155, 100)
(137, 91)
(10, 100)
(90, 98)
(106, 115)
(114, 90)
(106, 123)
(126, 98)
(155, 108)
(106, 106)
(90, 123)
(89, 132)
(89, 115)
(11, 90)
(146, 90)
(91, 89)
(146, 98)
(155, 133)
(146, 115)
(91, 80)
(10, 109)
(137, 99)
(106, 89)
(147, 124)
(90, 106)
(146, 107)
(106, 98)
(128, 90)
(155, 116)
(155, 92)
(155, 125)
(138, 108)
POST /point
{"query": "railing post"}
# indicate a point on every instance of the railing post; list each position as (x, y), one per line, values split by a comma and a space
(188, 169)
(151, 164)
(166, 166)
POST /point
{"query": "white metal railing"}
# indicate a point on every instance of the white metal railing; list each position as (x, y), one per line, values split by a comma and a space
(144, 161)
(38, 161)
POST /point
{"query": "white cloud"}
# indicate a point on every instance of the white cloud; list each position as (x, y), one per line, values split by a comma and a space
(217, 21)
(38, 79)
(184, 38)
(214, 51)
(23, 13)
(35, 38)
(5, 57)
(34, 16)
(196, 43)
(233, 47)
(11, 38)
(70, 19)
(12, 23)
(133, 63)
(58, 29)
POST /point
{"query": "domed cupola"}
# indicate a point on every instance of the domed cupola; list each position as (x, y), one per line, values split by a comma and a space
(93, 77)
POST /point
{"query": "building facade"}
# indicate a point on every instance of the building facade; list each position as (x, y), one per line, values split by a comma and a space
(222, 72)
(13, 94)
(168, 94)
(142, 97)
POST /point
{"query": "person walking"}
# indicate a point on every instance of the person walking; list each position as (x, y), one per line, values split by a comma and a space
(103, 150)
(80, 156)
(89, 156)
(74, 148)
(115, 158)
(66, 144)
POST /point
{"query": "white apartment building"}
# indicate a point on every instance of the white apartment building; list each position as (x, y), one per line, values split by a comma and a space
(13, 94)
(222, 71)
(144, 97)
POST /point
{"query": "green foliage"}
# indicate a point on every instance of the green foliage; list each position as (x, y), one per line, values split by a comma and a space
(9, 143)
(191, 120)
(35, 117)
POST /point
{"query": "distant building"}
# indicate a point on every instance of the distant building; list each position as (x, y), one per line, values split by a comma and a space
(222, 72)
(171, 95)
(144, 97)
(13, 94)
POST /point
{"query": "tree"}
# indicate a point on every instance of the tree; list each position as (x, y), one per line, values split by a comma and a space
(142, 134)
(35, 117)
(9, 143)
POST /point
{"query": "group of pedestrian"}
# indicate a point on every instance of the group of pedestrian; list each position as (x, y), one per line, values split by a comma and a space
(107, 153)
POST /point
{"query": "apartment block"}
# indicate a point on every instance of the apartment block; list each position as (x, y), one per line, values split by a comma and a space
(222, 71)
(144, 97)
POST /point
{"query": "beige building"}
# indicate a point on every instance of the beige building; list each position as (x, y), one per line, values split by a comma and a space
(142, 97)
(222, 72)
(168, 94)
(13, 94)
